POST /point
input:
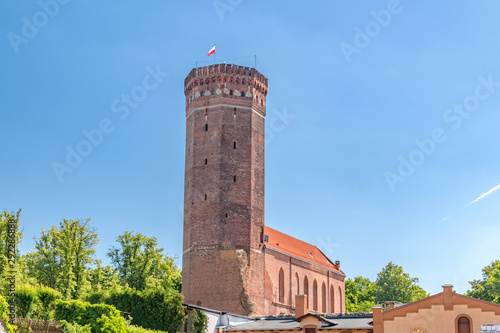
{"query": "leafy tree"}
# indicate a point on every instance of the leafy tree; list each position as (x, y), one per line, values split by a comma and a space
(393, 284)
(140, 263)
(487, 289)
(199, 322)
(359, 294)
(63, 256)
(103, 278)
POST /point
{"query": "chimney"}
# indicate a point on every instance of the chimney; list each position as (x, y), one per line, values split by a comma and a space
(378, 320)
(448, 296)
(300, 305)
(337, 264)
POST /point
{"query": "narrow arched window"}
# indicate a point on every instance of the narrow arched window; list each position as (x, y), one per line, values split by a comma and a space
(281, 283)
(323, 298)
(340, 300)
(306, 290)
(315, 295)
(332, 300)
(297, 292)
(463, 324)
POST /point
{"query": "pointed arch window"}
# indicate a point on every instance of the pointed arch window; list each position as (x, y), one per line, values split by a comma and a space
(281, 283)
(306, 290)
(332, 300)
(315, 295)
(323, 298)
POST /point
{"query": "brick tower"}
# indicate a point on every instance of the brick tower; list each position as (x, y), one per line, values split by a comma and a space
(223, 261)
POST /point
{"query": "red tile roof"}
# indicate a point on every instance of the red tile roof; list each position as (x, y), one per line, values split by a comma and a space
(297, 248)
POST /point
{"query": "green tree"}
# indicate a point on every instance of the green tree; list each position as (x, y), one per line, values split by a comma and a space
(63, 256)
(393, 284)
(488, 288)
(359, 295)
(140, 263)
(199, 322)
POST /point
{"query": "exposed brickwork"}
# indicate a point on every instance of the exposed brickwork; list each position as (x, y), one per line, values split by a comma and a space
(293, 267)
(224, 188)
(226, 265)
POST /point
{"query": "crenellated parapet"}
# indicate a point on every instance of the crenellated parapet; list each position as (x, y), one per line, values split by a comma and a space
(225, 81)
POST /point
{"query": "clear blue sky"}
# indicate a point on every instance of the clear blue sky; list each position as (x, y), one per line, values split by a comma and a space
(365, 87)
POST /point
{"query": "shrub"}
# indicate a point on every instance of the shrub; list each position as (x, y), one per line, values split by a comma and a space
(101, 317)
(47, 298)
(152, 309)
(4, 315)
(75, 328)
(26, 298)
(138, 329)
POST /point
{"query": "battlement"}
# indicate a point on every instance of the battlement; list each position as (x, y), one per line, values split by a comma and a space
(225, 73)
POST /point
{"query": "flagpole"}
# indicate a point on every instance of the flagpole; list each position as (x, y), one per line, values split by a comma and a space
(215, 52)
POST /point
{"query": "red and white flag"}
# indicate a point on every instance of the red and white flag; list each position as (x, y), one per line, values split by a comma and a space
(212, 51)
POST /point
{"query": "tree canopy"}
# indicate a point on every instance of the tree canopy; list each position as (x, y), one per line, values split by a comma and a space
(359, 295)
(393, 284)
(488, 288)
(141, 263)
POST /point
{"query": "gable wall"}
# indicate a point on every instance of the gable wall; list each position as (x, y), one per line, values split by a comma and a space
(436, 319)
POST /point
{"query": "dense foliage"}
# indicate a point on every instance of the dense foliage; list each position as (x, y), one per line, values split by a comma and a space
(63, 257)
(393, 284)
(4, 315)
(199, 321)
(488, 288)
(359, 295)
(155, 309)
(101, 317)
(55, 279)
(140, 263)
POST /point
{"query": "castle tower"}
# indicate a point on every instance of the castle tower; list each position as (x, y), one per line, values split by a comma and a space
(223, 262)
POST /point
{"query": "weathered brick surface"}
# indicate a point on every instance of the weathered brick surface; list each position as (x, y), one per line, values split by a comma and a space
(225, 263)
(224, 188)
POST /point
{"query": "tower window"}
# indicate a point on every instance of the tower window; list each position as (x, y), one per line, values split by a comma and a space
(234, 145)
(205, 197)
(242, 94)
(226, 214)
(234, 179)
(202, 93)
(206, 161)
(206, 127)
(230, 92)
(213, 92)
